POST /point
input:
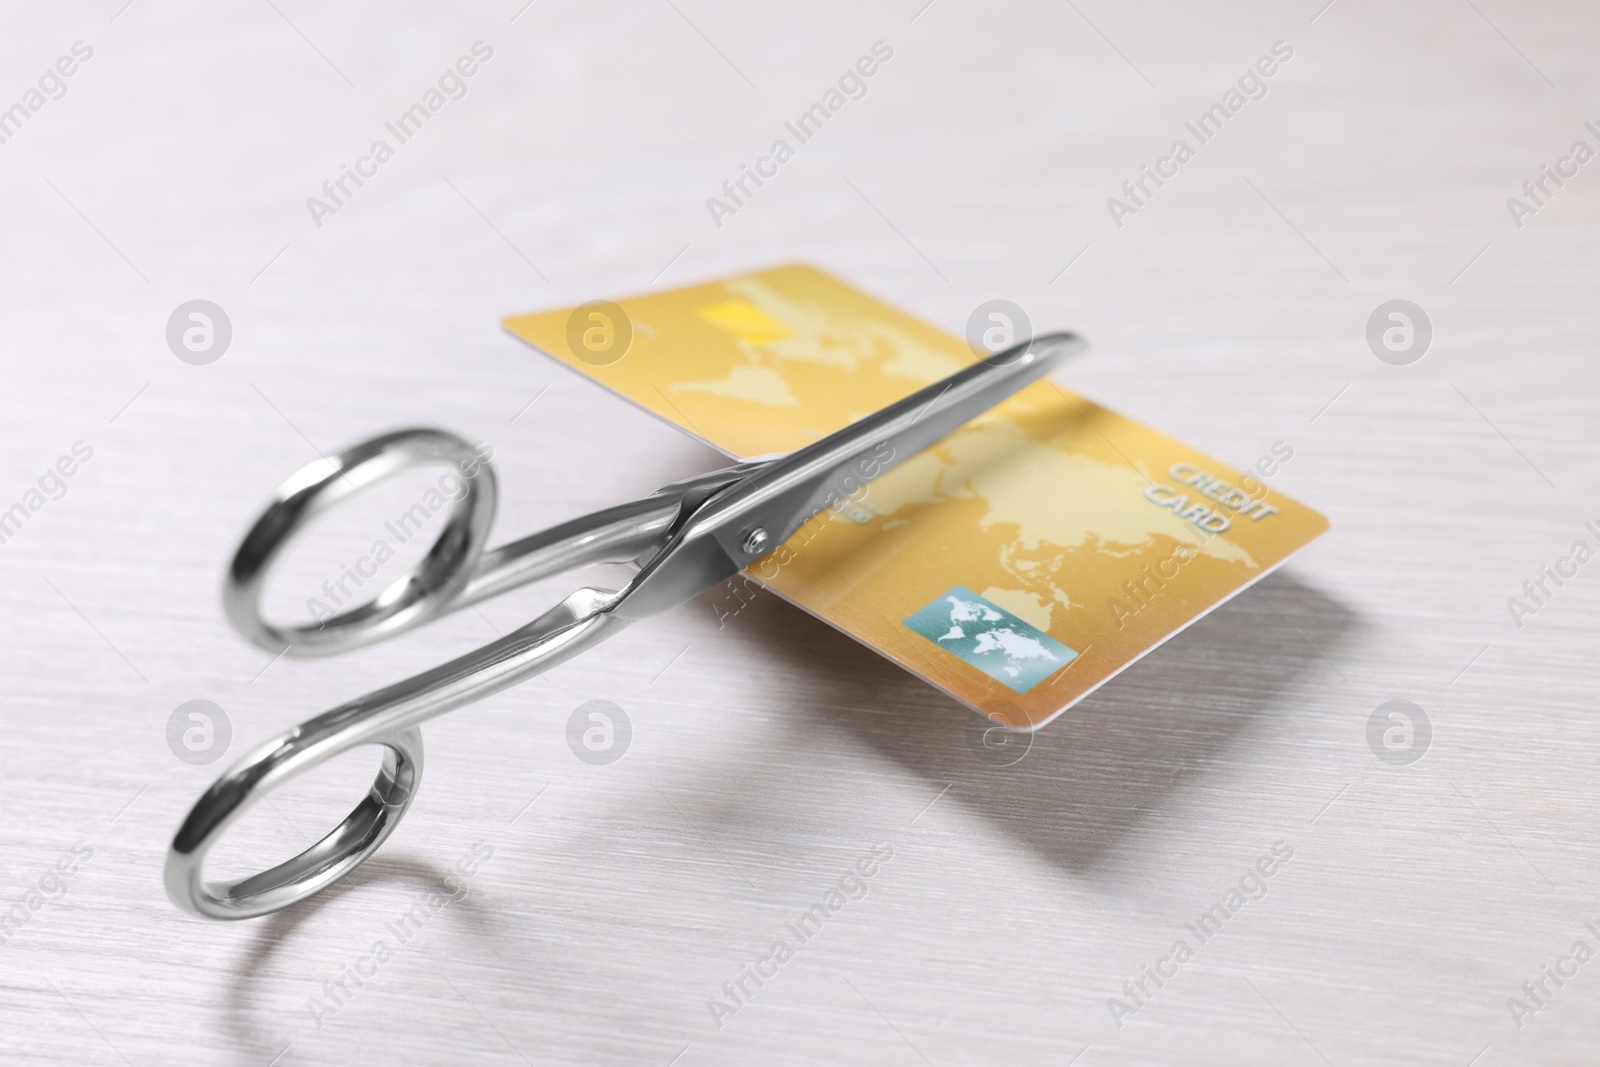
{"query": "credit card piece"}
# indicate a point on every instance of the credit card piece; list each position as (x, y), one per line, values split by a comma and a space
(1018, 565)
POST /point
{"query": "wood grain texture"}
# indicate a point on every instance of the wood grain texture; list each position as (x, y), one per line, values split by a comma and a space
(771, 754)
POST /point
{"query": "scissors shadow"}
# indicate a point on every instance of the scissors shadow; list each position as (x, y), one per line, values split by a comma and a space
(261, 1029)
(1093, 776)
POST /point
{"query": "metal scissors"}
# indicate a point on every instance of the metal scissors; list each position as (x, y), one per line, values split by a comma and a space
(685, 539)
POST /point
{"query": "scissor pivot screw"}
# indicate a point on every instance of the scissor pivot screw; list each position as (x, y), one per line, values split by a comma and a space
(755, 540)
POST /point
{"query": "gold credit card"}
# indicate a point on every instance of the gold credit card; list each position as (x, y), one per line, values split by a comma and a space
(1018, 564)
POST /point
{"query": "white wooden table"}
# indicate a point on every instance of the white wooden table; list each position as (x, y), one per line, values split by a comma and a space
(608, 905)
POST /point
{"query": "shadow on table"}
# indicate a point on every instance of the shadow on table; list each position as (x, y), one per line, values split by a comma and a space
(1106, 765)
(268, 1029)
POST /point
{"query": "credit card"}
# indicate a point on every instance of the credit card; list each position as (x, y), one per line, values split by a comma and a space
(1017, 565)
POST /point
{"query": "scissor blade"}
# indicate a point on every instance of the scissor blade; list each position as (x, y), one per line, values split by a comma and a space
(780, 498)
(759, 513)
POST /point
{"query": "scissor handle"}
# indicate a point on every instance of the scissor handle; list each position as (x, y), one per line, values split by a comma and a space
(388, 717)
(455, 571)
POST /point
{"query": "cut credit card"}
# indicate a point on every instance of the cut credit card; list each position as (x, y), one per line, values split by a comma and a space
(1017, 565)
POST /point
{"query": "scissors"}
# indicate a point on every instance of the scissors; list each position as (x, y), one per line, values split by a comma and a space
(685, 539)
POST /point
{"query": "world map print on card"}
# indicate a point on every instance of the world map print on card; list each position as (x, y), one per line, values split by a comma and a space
(990, 638)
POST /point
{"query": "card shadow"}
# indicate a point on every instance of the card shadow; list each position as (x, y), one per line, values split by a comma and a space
(1073, 790)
